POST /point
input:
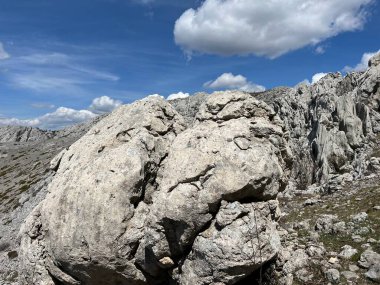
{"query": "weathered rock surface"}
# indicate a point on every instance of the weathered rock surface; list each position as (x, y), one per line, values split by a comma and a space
(25, 156)
(144, 192)
(237, 243)
(369, 258)
(332, 125)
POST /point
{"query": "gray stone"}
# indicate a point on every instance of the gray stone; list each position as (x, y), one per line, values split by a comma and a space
(369, 258)
(349, 275)
(353, 267)
(332, 275)
(359, 218)
(325, 223)
(374, 273)
(214, 255)
(347, 252)
(298, 260)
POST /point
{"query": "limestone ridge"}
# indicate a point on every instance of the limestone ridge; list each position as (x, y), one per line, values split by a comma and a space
(185, 192)
(20, 134)
(332, 127)
(23, 134)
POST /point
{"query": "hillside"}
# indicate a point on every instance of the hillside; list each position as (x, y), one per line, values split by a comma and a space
(275, 187)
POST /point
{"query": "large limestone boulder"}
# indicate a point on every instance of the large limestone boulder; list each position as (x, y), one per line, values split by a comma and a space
(235, 152)
(137, 193)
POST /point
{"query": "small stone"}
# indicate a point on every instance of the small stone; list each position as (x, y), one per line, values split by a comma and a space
(357, 238)
(362, 231)
(376, 208)
(333, 276)
(325, 223)
(371, 240)
(315, 251)
(166, 262)
(353, 267)
(359, 218)
(303, 275)
(369, 258)
(365, 245)
(310, 202)
(374, 273)
(347, 252)
(339, 227)
(349, 275)
(333, 260)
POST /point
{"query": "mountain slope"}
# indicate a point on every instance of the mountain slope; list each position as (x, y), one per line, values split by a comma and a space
(190, 192)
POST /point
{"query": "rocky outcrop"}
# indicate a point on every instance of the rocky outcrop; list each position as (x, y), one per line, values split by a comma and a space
(140, 199)
(23, 134)
(186, 192)
(332, 125)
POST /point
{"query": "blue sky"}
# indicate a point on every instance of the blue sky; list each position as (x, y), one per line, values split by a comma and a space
(67, 53)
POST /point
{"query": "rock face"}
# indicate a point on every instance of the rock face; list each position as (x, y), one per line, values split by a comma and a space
(238, 242)
(332, 125)
(136, 194)
(25, 156)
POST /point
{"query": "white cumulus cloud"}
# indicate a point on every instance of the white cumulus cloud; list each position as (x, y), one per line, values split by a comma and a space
(17, 122)
(60, 118)
(315, 78)
(63, 117)
(363, 64)
(318, 76)
(152, 96)
(3, 53)
(230, 81)
(266, 27)
(104, 104)
(178, 95)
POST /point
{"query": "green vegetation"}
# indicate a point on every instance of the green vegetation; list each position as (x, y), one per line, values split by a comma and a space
(344, 205)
